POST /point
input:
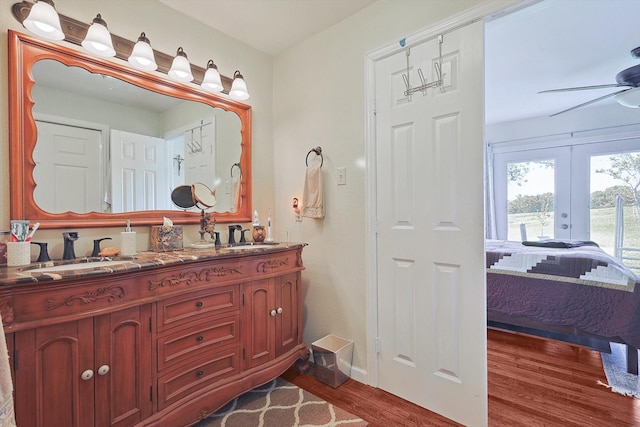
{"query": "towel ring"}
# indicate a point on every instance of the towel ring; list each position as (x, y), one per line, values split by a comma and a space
(318, 151)
(234, 166)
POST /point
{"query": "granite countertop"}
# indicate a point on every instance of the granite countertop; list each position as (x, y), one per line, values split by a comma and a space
(65, 270)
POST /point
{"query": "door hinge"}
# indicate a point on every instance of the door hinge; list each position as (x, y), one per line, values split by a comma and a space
(378, 345)
(151, 393)
(150, 324)
(243, 298)
(244, 354)
(15, 359)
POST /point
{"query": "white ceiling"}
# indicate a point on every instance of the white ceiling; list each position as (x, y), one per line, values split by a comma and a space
(552, 44)
(557, 44)
(270, 26)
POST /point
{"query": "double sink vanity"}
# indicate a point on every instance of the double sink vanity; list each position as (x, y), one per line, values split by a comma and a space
(161, 339)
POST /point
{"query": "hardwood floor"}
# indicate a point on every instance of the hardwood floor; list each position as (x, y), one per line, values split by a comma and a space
(532, 382)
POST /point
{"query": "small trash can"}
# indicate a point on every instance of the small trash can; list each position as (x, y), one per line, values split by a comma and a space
(333, 357)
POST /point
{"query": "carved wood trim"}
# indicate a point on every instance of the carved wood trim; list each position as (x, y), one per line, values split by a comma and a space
(190, 277)
(110, 293)
(272, 264)
(6, 308)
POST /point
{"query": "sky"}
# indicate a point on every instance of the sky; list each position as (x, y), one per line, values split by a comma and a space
(540, 179)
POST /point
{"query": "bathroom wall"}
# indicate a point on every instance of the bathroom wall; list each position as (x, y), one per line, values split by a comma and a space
(319, 100)
(167, 30)
(311, 95)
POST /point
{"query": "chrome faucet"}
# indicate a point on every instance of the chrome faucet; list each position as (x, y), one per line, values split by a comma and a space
(69, 238)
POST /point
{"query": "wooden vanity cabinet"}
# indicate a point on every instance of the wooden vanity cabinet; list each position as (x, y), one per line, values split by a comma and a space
(93, 371)
(272, 318)
(162, 346)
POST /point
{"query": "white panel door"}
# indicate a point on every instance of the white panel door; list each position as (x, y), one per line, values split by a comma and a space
(68, 172)
(199, 150)
(430, 247)
(138, 174)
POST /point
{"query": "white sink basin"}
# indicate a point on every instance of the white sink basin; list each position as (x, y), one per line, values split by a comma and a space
(246, 247)
(76, 266)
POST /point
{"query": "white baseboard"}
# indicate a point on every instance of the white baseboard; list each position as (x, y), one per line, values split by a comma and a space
(359, 375)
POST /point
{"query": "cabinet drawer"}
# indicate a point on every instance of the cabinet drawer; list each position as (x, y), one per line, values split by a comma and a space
(197, 375)
(185, 308)
(78, 299)
(205, 337)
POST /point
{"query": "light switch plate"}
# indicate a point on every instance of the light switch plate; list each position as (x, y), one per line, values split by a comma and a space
(342, 176)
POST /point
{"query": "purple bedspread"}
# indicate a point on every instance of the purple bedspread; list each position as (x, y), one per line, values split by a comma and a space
(581, 287)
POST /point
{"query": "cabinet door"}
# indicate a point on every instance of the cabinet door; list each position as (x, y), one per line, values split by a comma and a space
(50, 362)
(259, 329)
(286, 288)
(123, 367)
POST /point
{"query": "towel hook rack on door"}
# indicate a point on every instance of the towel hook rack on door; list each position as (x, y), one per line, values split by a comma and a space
(318, 152)
(423, 82)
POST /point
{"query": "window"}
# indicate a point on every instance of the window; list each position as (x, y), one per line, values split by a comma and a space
(567, 191)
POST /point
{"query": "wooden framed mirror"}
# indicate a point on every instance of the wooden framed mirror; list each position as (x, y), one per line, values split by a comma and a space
(45, 81)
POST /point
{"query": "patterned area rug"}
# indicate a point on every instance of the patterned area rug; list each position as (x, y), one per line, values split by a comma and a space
(280, 404)
(615, 367)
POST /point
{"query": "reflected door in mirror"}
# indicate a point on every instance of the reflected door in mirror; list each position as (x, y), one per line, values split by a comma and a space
(138, 172)
(69, 169)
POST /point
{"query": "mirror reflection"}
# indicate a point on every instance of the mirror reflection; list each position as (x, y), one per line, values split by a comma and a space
(105, 145)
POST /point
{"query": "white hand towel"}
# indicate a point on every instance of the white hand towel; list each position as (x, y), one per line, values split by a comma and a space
(234, 192)
(313, 194)
(7, 415)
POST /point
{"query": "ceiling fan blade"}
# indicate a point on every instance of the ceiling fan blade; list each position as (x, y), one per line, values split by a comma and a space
(590, 102)
(569, 89)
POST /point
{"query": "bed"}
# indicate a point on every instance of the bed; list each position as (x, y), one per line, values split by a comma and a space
(565, 290)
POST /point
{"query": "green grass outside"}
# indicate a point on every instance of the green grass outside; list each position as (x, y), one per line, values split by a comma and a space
(602, 228)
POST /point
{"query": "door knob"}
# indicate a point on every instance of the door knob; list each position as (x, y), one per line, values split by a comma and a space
(273, 313)
(564, 226)
(103, 370)
(279, 310)
(87, 375)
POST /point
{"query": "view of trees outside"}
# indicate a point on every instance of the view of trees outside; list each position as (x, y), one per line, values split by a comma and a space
(530, 195)
(611, 175)
(625, 170)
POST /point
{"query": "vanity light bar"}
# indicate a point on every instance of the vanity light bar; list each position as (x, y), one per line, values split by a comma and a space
(75, 31)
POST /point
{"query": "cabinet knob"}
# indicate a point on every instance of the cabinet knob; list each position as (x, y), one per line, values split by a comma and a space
(273, 313)
(199, 304)
(200, 338)
(200, 373)
(87, 375)
(103, 370)
(279, 310)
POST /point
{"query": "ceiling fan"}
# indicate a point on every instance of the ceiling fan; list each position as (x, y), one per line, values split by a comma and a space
(628, 78)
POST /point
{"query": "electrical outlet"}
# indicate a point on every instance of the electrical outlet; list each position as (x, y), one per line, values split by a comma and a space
(342, 176)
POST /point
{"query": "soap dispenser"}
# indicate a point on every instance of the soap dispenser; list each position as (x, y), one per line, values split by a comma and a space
(128, 241)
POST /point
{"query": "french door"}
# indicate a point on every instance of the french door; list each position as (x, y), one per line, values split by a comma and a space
(531, 199)
(564, 192)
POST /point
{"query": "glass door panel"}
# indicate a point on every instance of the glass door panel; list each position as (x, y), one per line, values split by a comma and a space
(612, 176)
(532, 194)
(530, 199)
